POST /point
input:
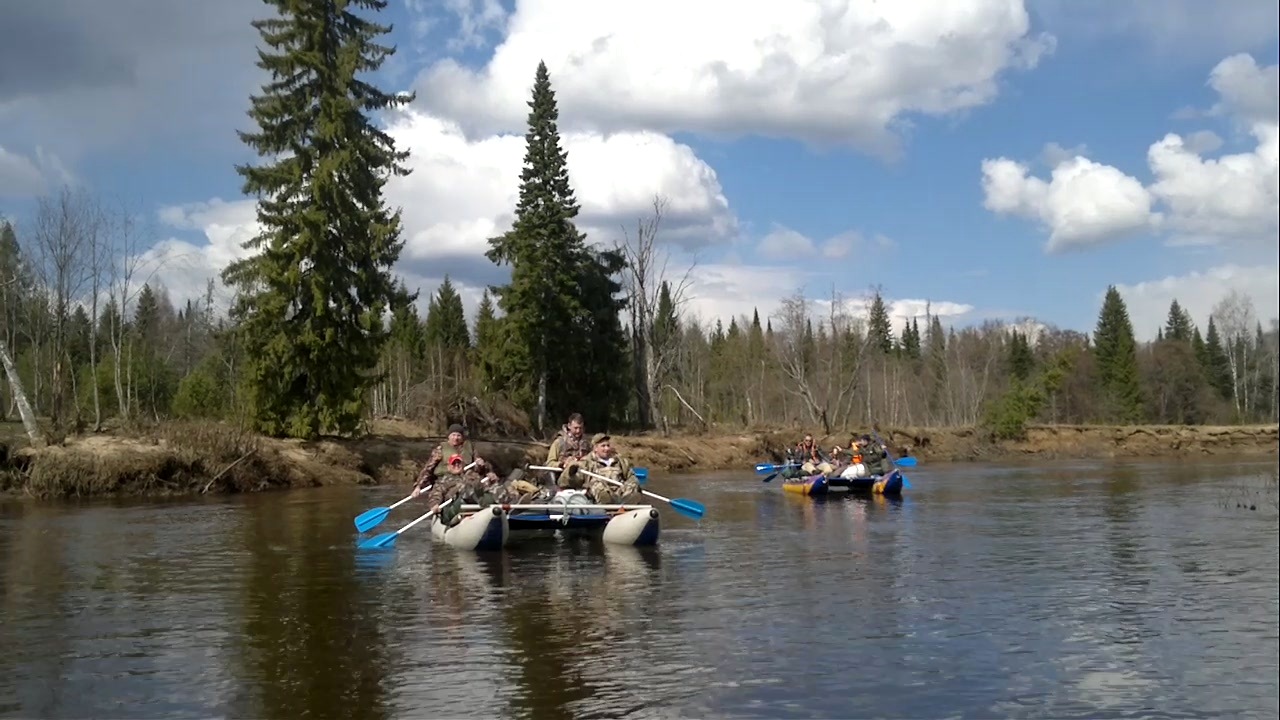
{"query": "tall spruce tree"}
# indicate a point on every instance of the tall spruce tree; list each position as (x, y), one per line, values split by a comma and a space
(1213, 358)
(311, 304)
(1117, 359)
(446, 323)
(489, 350)
(1021, 360)
(878, 325)
(561, 309)
(1179, 326)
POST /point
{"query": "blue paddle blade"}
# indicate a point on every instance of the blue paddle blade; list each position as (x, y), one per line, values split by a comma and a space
(370, 519)
(906, 484)
(905, 462)
(642, 475)
(763, 468)
(689, 508)
(378, 541)
(769, 478)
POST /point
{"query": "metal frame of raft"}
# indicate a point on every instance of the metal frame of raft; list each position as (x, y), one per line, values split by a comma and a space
(890, 484)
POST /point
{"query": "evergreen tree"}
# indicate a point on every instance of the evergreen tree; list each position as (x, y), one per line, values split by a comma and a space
(1213, 358)
(408, 331)
(878, 325)
(1179, 326)
(1021, 360)
(911, 340)
(1117, 359)
(666, 325)
(489, 345)
(446, 324)
(561, 306)
(311, 303)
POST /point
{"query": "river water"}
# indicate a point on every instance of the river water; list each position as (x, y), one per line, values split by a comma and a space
(1086, 590)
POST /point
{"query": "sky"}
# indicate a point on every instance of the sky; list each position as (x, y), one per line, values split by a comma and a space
(988, 159)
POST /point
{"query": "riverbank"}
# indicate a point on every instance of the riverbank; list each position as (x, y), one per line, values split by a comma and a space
(194, 458)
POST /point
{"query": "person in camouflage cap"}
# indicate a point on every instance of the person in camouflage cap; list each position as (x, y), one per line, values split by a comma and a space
(605, 462)
(458, 487)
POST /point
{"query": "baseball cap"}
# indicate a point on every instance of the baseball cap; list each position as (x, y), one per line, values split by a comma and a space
(599, 438)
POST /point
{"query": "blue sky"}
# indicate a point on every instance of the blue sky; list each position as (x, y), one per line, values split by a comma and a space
(784, 170)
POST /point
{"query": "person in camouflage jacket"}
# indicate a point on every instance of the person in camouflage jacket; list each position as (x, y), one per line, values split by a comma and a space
(605, 462)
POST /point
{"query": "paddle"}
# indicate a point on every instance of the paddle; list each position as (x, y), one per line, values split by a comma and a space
(642, 475)
(772, 470)
(372, 518)
(684, 506)
(905, 482)
(762, 468)
(389, 539)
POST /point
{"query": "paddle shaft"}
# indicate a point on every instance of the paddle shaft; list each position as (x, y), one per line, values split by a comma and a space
(686, 507)
(588, 473)
(423, 516)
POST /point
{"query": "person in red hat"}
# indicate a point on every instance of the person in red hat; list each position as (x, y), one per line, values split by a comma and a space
(436, 467)
(462, 484)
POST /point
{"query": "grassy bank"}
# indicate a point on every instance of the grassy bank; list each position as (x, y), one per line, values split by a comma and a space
(191, 458)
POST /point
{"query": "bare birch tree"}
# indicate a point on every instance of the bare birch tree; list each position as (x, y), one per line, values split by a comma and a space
(654, 350)
(123, 285)
(62, 229)
(1235, 318)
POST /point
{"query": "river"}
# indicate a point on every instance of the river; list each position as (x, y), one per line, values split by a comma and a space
(1063, 590)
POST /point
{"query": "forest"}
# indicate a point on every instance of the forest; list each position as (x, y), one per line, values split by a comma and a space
(132, 356)
(321, 334)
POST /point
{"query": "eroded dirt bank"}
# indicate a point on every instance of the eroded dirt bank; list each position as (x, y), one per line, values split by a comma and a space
(185, 458)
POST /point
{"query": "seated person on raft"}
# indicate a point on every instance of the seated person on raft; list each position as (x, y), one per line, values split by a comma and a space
(865, 459)
(569, 444)
(458, 486)
(812, 458)
(455, 443)
(604, 462)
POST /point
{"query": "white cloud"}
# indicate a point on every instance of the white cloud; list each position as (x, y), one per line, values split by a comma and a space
(728, 291)
(25, 176)
(1083, 203)
(1197, 200)
(815, 69)
(1233, 197)
(782, 243)
(1197, 292)
(1247, 91)
(462, 192)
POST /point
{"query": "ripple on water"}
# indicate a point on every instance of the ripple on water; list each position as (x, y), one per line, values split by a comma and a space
(1086, 592)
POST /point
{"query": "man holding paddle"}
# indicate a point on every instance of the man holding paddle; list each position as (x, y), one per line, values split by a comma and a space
(604, 462)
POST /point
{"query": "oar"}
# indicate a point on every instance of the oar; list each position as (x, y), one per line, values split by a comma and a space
(372, 518)
(762, 468)
(642, 474)
(905, 482)
(389, 539)
(772, 470)
(684, 506)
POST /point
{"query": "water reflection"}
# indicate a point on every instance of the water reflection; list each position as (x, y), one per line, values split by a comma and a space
(308, 644)
(1090, 590)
